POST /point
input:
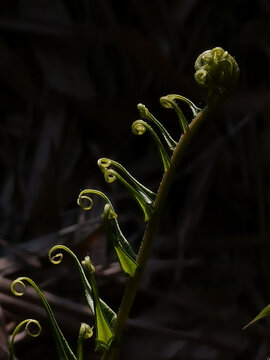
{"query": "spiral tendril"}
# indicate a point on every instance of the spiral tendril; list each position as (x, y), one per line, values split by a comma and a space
(168, 102)
(172, 97)
(110, 176)
(18, 281)
(145, 114)
(87, 288)
(31, 333)
(27, 324)
(82, 205)
(140, 193)
(84, 195)
(127, 175)
(139, 127)
(57, 258)
(64, 351)
(104, 163)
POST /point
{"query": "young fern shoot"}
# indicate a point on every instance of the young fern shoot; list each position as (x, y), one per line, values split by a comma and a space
(217, 72)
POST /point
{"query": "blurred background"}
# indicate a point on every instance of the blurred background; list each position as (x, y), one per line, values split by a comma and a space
(71, 76)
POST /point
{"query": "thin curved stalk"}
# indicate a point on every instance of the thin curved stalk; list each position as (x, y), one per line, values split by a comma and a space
(25, 324)
(63, 348)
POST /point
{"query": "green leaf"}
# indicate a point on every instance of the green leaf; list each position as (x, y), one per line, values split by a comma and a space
(104, 332)
(265, 312)
(125, 253)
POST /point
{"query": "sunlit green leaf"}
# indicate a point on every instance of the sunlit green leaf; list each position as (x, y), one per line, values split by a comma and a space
(125, 253)
(265, 312)
(104, 332)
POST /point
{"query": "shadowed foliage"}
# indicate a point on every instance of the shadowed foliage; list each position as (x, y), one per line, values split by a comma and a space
(71, 76)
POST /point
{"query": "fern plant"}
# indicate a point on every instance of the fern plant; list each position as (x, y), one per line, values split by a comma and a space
(217, 72)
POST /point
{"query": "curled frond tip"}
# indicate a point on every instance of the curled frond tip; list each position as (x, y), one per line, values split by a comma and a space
(32, 328)
(18, 283)
(216, 70)
(139, 127)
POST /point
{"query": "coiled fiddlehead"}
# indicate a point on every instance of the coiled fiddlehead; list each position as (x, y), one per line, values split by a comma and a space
(166, 101)
(143, 196)
(104, 315)
(139, 127)
(217, 72)
(84, 196)
(124, 252)
(26, 324)
(169, 103)
(105, 163)
(146, 115)
(56, 259)
(63, 349)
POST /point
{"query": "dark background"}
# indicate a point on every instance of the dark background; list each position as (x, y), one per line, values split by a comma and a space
(71, 75)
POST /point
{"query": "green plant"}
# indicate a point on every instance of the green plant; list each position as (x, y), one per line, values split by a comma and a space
(262, 314)
(217, 72)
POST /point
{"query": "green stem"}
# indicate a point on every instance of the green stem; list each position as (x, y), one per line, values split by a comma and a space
(150, 232)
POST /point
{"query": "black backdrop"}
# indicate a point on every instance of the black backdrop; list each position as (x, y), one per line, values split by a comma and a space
(71, 75)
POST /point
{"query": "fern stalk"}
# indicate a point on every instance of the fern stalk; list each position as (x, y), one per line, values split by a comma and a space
(150, 233)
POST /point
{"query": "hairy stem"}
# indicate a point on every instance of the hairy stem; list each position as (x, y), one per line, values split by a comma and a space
(150, 232)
